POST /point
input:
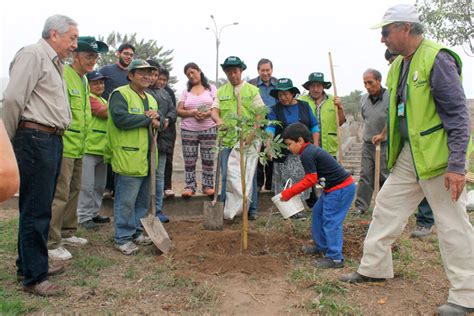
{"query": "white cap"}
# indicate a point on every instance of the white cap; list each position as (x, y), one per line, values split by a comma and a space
(399, 13)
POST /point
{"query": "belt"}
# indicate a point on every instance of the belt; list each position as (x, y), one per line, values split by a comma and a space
(41, 127)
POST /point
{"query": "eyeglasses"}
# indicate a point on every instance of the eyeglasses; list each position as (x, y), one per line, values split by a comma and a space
(385, 32)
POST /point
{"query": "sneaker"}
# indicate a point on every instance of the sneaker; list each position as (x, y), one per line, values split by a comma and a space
(74, 241)
(421, 231)
(101, 219)
(128, 249)
(311, 250)
(162, 217)
(169, 193)
(449, 309)
(328, 263)
(299, 216)
(108, 195)
(89, 225)
(60, 253)
(358, 212)
(142, 240)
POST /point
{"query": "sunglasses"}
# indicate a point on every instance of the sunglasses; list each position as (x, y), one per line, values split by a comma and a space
(385, 32)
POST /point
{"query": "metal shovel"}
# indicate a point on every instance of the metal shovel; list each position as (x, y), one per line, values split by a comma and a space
(151, 224)
(213, 211)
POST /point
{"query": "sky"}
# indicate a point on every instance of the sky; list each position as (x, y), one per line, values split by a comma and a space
(296, 35)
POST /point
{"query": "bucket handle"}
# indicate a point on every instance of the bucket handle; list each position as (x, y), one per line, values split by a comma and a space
(288, 182)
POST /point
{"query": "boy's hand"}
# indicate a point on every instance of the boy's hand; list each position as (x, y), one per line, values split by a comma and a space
(286, 195)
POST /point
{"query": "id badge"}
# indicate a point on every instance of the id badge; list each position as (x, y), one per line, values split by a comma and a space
(401, 109)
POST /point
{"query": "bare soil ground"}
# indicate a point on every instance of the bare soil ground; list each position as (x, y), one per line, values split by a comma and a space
(207, 273)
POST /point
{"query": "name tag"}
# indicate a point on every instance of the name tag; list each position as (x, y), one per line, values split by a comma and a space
(135, 110)
(224, 98)
(401, 109)
(75, 92)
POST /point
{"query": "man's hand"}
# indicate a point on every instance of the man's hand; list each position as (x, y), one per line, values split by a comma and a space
(167, 123)
(377, 139)
(338, 103)
(455, 182)
(155, 123)
(152, 114)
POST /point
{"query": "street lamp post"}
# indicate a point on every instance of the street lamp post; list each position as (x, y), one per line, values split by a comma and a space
(217, 33)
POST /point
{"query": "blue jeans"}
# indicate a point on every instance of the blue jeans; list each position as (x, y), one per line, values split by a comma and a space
(328, 216)
(160, 182)
(132, 199)
(224, 159)
(424, 216)
(39, 160)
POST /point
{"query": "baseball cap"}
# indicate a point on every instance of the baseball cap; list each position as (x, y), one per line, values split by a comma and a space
(398, 13)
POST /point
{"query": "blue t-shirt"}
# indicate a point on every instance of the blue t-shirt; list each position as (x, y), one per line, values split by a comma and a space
(292, 115)
(317, 160)
(117, 77)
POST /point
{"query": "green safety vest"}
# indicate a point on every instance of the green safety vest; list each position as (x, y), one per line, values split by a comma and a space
(128, 148)
(427, 138)
(74, 138)
(228, 102)
(327, 123)
(96, 138)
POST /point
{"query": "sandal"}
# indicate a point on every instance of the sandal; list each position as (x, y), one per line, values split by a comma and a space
(209, 191)
(187, 193)
(44, 288)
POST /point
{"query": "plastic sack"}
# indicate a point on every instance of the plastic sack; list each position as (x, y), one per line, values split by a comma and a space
(233, 195)
(470, 201)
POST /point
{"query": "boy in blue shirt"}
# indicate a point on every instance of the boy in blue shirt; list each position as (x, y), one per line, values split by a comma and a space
(331, 208)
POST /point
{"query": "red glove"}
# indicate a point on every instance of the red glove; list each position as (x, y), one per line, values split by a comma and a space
(307, 182)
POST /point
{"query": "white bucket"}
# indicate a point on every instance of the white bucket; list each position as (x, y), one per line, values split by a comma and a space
(290, 207)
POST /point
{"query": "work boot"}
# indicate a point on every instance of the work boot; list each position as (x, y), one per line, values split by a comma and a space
(44, 288)
(356, 277)
(450, 309)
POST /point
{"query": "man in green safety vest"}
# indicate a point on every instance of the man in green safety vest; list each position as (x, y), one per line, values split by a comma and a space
(131, 111)
(324, 108)
(225, 103)
(64, 210)
(428, 141)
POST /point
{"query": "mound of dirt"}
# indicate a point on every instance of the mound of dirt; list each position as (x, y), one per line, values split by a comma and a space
(268, 254)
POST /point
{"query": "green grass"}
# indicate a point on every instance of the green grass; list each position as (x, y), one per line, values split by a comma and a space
(403, 260)
(90, 265)
(8, 236)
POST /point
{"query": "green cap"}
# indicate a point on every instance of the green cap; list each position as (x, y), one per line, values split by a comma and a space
(233, 61)
(89, 44)
(140, 64)
(317, 77)
(284, 84)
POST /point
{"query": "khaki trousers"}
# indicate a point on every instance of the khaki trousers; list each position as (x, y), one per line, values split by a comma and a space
(64, 210)
(396, 202)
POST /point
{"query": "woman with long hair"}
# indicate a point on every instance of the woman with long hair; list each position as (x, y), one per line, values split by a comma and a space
(198, 130)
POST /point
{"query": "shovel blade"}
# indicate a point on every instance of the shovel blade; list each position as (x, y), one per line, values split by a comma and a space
(213, 215)
(157, 233)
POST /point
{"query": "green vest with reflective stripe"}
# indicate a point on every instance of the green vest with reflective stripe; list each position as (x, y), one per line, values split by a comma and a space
(427, 138)
(74, 138)
(228, 103)
(327, 123)
(96, 138)
(129, 147)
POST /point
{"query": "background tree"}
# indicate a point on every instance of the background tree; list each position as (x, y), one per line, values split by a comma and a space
(449, 21)
(221, 82)
(144, 49)
(351, 104)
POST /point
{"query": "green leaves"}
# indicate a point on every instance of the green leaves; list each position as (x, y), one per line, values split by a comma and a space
(251, 127)
(449, 21)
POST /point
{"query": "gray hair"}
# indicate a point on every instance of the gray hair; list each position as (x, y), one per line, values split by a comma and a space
(415, 28)
(60, 23)
(264, 61)
(377, 75)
